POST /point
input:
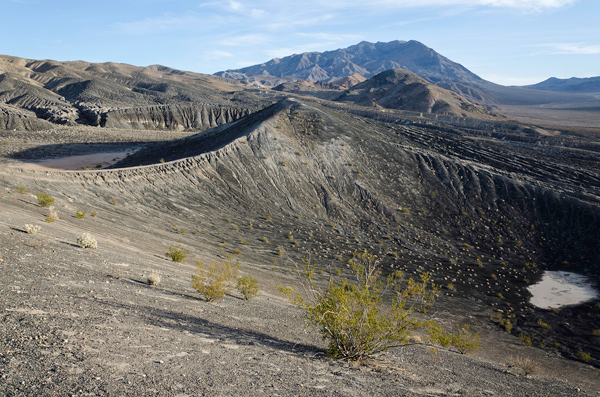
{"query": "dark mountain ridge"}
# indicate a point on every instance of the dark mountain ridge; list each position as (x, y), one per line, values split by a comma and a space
(572, 85)
(367, 59)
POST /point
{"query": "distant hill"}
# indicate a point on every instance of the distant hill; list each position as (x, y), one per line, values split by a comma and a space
(404, 90)
(572, 85)
(366, 59)
(37, 94)
(349, 81)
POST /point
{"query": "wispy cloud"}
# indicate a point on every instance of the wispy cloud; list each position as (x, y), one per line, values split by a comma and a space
(219, 54)
(534, 5)
(245, 40)
(573, 48)
(165, 23)
(521, 4)
(331, 37)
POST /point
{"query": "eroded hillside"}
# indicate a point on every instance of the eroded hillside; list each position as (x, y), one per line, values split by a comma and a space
(38, 94)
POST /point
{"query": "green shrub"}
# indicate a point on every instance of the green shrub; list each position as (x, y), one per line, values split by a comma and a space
(542, 324)
(177, 254)
(463, 340)
(80, 214)
(215, 280)
(22, 190)
(44, 200)
(351, 316)
(49, 219)
(525, 339)
(584, 356)
(247, 286)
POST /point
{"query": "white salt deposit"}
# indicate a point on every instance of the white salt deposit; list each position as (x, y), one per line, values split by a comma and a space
(557, 288)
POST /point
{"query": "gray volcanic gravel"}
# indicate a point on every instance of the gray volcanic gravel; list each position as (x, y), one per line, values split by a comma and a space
(82, 322)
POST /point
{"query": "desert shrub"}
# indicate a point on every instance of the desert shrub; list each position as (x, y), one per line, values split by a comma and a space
(527, 341)
(22, 190)
(527, 364)
(80, 214)
(584, 356)
(44, 200)
(247, 286)
(177, 254)
(215, 280)
(350, 314)
(154, 278)
(463, 340)
(53, 213)
(49, 219)
(87, 241)
(32, 229)
(542, 324)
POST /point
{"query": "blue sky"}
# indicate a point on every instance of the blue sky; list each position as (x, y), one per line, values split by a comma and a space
(505, 41)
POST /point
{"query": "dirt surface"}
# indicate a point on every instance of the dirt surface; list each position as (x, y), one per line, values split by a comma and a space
(83, 322)
(306, 179)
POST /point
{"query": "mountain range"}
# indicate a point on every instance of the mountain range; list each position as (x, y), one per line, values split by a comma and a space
(573, 85)
(37, 94)
(369, 59)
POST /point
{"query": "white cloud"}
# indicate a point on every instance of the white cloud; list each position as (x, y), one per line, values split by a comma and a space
(575, 48)
(219, 54)
(235, 5)
(520, 4)
(331, 37)
(164, 23)
(244, 40)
